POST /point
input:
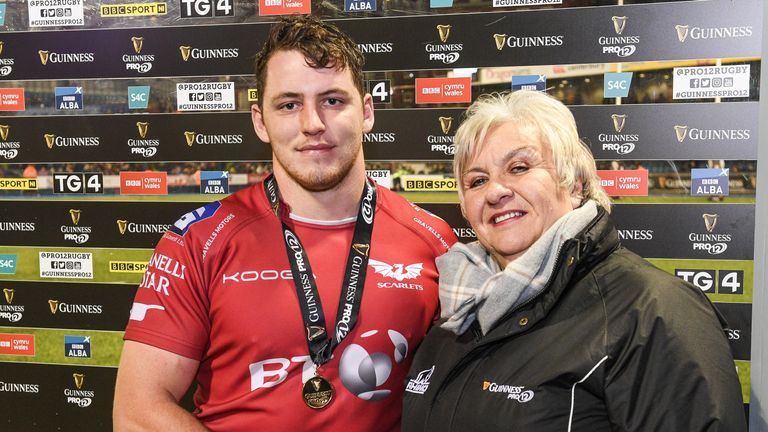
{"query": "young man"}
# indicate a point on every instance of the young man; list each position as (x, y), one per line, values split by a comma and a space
(296, 304)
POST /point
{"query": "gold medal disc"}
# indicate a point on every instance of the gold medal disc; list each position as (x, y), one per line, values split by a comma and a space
(317, 392)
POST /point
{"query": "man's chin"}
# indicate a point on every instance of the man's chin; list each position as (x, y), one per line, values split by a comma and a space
(320, 182)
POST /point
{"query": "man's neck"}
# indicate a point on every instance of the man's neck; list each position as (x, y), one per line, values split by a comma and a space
(339, 202)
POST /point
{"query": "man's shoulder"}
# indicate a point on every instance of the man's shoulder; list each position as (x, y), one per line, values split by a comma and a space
(430, 227)
(222, 215)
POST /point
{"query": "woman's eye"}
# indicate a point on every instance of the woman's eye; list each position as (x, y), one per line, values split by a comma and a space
(516, 169)
(476, 182)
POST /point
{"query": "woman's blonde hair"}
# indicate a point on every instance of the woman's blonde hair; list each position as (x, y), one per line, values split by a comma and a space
(539, 112)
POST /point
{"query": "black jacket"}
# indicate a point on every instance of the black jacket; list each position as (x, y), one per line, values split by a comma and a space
(612, 344)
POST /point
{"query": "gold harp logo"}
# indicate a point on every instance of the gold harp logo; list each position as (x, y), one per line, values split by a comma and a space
(443, 31)
(122, 225)
(79, 380)
(49, 139)
(138, 43)
(1, 47)
(143, 127)
(619, 23)
(500, 40)
(682, 32)
(313, 332)
(54, 305)
(619, 120)
(4, 130)
(445, 124)
(316, 383)
(362, 248)
(185, 52)
(75, 214)
(710, 220)
(8, 295)
(43, 56)
(486, 384)
(190, 137)
(681, 132)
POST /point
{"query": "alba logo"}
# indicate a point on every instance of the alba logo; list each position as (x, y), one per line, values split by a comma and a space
(398, 272)
(363, 373)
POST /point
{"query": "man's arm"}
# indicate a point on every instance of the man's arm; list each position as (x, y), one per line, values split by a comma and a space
(150, 382)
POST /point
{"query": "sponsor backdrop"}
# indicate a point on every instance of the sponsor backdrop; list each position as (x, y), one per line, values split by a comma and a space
(70, 266)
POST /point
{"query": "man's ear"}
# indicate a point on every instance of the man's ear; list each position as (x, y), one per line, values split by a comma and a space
(368, 117)
(257, 117)
(577, 194)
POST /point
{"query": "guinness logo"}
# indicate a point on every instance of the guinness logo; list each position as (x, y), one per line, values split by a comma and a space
(710, 220)
(443, 31)
(138, 43)
(362, 248)
(681, 132)
(682, 32)
(49, 138)
(79, 380)
(54, 305)
(445, 124)
(1, 47)
(8, 295)
(619, 120)
(185, 52)
(75, 214)
(4, 129)
(316, 382)
(43, 56)
(313, 332)
(190, 137)
(122, 225)
(619, 23)
(500, 40)
(142, 127)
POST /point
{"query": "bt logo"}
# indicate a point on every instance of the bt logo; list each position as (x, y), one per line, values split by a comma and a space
(362, 373)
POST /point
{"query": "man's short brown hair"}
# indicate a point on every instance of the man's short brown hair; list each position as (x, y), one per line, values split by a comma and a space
(323, 46)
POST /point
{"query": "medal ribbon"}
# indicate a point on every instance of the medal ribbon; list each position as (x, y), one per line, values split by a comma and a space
(320, 343)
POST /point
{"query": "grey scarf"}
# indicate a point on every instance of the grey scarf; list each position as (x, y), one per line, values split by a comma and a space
(473, 287)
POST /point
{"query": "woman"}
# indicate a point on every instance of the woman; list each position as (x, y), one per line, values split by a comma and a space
(549, 323)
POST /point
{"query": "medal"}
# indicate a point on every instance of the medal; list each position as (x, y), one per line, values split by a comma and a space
(317, 392)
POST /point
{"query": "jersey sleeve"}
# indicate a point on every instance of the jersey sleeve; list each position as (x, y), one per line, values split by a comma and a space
(674, 370)
(170, 310)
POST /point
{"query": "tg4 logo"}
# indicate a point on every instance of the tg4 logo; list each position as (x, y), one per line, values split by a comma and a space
(714, 281)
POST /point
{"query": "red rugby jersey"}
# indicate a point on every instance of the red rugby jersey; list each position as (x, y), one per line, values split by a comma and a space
(219, 289)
